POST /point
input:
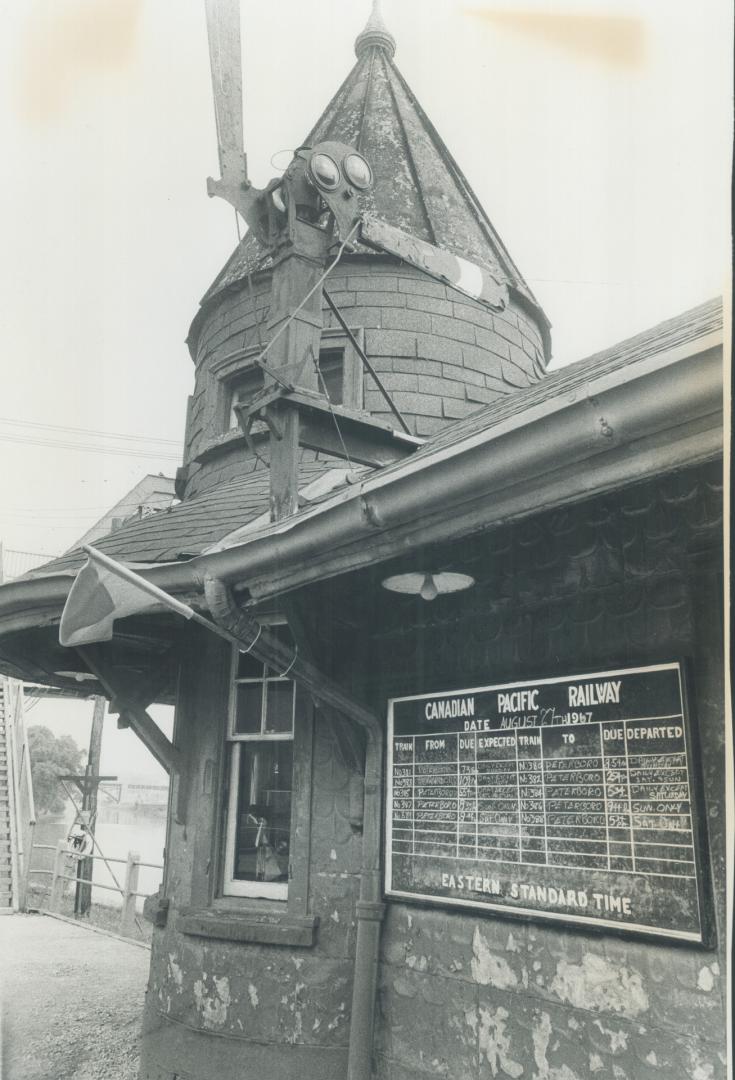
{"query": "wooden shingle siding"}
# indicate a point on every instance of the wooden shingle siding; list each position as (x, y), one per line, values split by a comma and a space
(438, 353)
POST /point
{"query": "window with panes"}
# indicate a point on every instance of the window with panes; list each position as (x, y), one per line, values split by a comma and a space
(242, 391)
(340, 378)
(263, 712)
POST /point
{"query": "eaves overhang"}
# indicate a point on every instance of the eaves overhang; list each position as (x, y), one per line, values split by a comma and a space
(659, 415)
(593, 432)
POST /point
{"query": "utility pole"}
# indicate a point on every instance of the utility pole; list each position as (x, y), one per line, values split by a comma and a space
(85, 866)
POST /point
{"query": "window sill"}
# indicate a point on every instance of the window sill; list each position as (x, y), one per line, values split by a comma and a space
(219, 444)
(256, 927)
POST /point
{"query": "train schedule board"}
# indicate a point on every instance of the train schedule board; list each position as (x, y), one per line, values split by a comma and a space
(571, 799)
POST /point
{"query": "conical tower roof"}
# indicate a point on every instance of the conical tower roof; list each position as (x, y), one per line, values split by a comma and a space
(418, 185)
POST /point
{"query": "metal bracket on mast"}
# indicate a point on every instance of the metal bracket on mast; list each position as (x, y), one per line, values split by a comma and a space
(223, 31)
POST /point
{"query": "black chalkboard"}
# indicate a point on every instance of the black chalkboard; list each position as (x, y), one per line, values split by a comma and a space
(570, 799)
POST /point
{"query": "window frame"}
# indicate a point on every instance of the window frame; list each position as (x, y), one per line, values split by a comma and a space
(232, 385)
(293, 893)
(332, 339)
(336, 354)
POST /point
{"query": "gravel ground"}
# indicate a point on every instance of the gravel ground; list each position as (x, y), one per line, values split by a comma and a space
(71, 1001)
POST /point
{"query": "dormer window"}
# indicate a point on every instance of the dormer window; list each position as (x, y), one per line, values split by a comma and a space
(331, 374)
(340, 377)
(242, 390)
(340, 367)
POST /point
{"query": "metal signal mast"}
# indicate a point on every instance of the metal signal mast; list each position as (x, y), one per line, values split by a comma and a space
(304, 221)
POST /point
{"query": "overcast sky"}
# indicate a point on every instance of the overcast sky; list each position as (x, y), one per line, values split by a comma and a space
(596, 134)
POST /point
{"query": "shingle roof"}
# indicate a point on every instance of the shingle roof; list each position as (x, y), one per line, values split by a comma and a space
(190, 527)
(200, 523)
(690, 325)
(418, 185)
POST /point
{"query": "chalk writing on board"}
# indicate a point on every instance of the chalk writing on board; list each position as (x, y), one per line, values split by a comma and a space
(569, 798)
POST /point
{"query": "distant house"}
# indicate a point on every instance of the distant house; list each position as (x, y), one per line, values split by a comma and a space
(151, 494)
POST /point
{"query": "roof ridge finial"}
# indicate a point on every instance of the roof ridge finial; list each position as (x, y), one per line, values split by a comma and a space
(376, 34)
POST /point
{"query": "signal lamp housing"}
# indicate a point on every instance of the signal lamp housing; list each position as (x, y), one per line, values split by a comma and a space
(324, 171)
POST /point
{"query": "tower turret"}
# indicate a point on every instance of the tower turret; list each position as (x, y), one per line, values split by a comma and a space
(375, 35)
(439, 354)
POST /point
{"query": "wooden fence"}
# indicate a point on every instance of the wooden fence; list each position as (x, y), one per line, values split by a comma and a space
(128, 890)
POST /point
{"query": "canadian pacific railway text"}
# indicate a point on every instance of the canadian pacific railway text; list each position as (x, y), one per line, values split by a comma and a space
(570, 797)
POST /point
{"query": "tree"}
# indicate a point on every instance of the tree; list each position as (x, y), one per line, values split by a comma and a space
(50, 756)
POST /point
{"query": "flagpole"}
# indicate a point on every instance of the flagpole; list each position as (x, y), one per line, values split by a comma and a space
(139, 582)
(178, 606)
(197, 618)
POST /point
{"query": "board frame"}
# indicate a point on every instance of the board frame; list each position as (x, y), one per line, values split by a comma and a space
(704, 938)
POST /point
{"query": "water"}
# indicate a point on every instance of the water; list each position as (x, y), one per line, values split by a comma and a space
(135, 829)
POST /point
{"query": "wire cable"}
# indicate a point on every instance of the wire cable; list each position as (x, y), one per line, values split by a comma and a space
(290, 666)
(281, 329)
(253, 642)
(90, 447)
(88, 431)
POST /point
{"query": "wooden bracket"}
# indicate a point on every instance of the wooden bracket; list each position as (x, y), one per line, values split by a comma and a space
(274, 427)
(308, 355)
(133, 708)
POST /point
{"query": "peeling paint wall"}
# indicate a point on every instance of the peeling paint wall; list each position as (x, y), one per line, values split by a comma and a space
(472, 998)
(252, 993)
(626, 578)
(212, 1004)
(497, 998)
(462, 996)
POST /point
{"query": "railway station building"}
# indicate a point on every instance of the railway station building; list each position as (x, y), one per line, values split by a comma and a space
(464, 817)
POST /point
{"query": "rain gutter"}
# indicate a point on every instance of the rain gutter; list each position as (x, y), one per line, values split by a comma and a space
(609, 432)
(655, 415)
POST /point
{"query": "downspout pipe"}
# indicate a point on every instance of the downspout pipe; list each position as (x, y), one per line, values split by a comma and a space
(370, 909)
(370, 914)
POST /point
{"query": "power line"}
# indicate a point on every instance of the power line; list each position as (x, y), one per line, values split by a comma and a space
(51, 523)
(55, 509)
(65, 513)
(55, 515)
(33, 554)
(89, 431)
(90, 447)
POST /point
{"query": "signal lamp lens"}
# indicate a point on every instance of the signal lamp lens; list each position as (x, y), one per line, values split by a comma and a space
(357, 171)
(325, 171)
